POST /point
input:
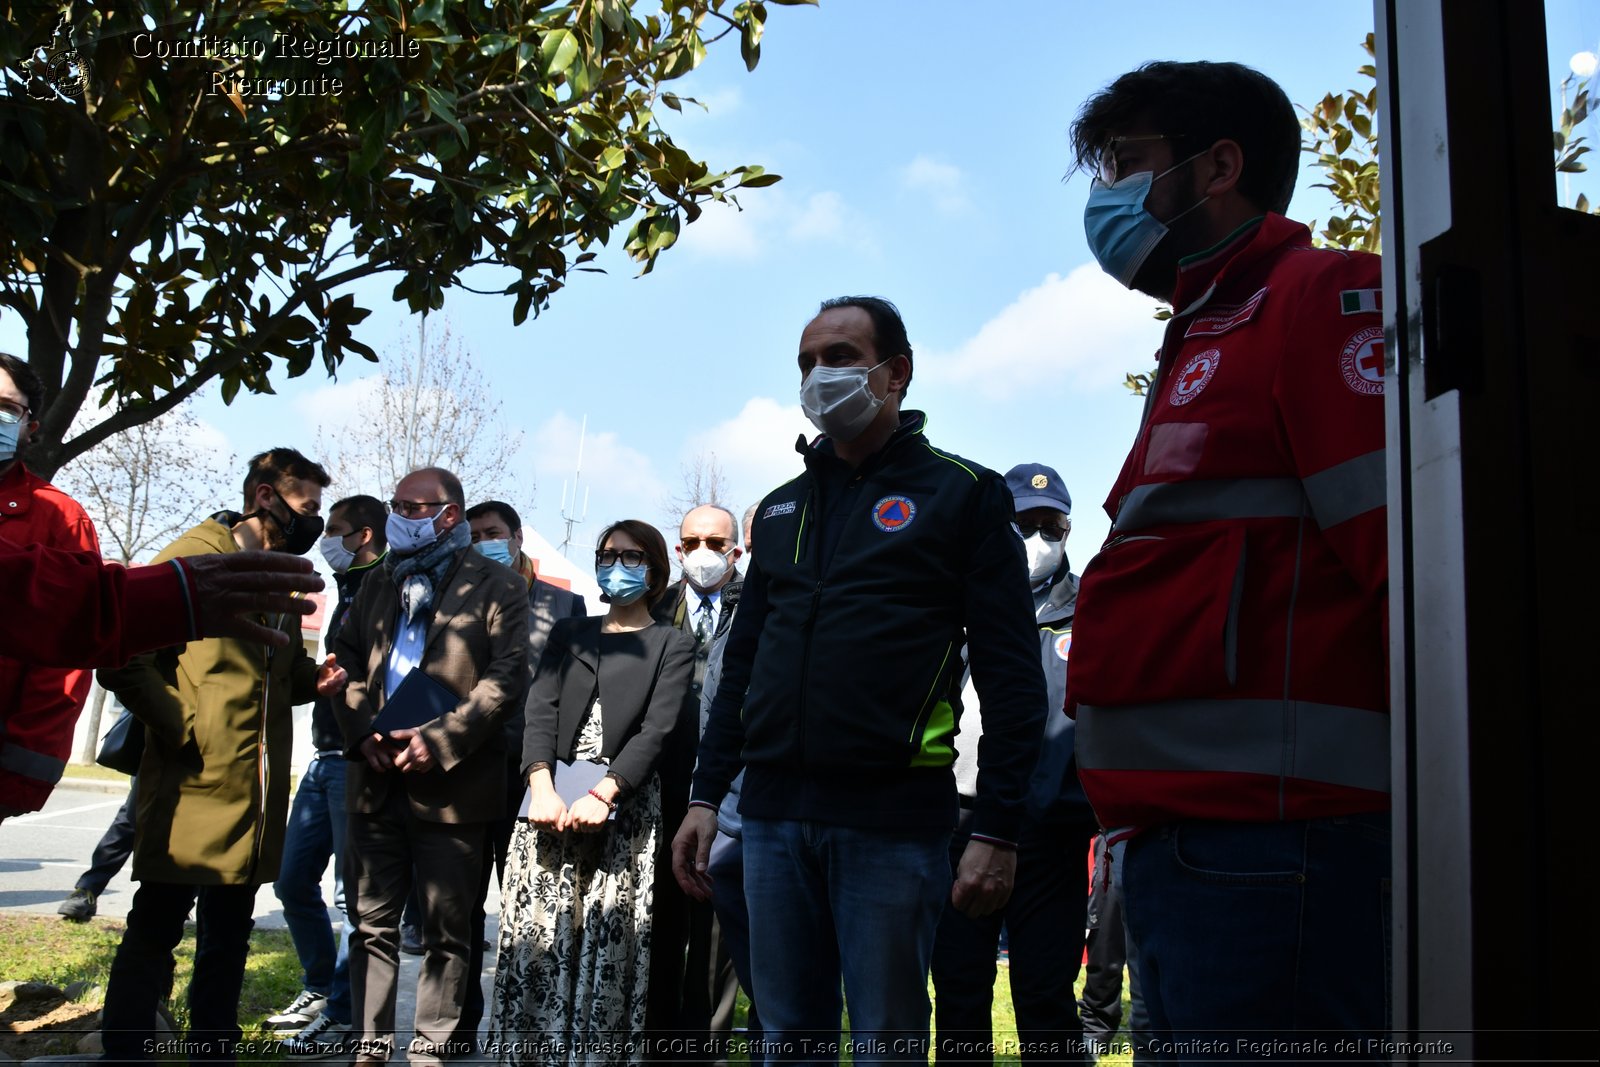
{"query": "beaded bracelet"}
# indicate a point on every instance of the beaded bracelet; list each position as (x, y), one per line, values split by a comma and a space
(611, 805)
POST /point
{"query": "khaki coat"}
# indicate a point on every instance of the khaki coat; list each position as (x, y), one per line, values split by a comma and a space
(214, 781)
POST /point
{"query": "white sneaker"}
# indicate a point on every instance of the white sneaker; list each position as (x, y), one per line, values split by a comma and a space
(301, 1013)
(323, 1039)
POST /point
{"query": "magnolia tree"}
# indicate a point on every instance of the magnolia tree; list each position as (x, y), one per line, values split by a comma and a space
(188, 189)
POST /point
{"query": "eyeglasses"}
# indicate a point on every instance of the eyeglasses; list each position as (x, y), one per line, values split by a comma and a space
(1107, 167)
(412, 508)
(715, 544)
(608, 557)
(1049, 533)
(11, 415)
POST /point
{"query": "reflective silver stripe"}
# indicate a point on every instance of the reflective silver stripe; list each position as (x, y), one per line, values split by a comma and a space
(31, 764)
(1283, 738)
(1351, 488)
(1223, 498)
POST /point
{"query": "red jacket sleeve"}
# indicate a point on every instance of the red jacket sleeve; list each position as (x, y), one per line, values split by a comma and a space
(68, 608)
(1330, 398)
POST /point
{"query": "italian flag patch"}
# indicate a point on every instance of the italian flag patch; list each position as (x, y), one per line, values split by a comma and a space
(1360, 301)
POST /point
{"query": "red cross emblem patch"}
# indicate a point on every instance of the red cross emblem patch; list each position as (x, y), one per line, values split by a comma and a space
(1194, 376)
(1361, 362)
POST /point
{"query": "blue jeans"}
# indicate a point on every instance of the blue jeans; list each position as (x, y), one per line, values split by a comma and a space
(316, 834)
(1262, 940)
(836, 902)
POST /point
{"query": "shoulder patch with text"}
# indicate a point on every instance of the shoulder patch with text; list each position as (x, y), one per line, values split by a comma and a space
(1221, 320)
(1195, 376)
(785, 508)
(1361, 361)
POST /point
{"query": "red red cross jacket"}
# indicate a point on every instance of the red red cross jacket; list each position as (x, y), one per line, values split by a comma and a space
(1229, 659)
(38, 705)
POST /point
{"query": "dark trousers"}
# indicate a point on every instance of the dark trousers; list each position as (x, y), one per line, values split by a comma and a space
(387, 850)
(141, 972)
(1100, 1005)
(499, 843)
(1044, 918)
(726, 869)
(115, 846)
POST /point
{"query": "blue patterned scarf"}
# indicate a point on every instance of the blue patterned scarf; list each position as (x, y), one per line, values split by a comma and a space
(417, 575)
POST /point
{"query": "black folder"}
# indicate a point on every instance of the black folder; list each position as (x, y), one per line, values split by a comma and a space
(572, 780)
(416, 701)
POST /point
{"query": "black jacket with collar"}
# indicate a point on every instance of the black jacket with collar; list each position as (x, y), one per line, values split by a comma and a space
(846, 647)
(325, 733)
(641, 693)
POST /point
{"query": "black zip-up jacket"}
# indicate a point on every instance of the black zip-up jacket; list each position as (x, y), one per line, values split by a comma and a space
(841, 680)
(325, 733)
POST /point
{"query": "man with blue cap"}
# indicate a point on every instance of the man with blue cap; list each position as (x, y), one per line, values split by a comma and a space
(1045, 916)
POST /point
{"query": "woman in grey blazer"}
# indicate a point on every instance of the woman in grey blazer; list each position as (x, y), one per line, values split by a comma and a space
(608, 698)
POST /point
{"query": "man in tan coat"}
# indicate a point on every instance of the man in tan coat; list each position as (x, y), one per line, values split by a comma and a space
(421, 799)
(214, 780)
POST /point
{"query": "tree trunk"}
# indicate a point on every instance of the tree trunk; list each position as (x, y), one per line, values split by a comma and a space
(91, 740)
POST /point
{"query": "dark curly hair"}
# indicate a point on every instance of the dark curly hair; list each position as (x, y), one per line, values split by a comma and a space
(1197, 105)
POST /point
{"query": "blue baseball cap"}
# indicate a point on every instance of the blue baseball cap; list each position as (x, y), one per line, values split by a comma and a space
(1033, 485)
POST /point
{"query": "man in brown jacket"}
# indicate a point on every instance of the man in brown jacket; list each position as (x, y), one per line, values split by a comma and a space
(214, 780)
(421, 799)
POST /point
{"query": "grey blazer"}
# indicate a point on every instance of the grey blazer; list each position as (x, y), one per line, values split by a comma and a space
(641, 690)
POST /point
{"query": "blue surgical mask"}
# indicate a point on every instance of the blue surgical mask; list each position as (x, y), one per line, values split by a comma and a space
(499, 551)
(623, 585)
(1121, 231)
(407, 537)
(8, 440)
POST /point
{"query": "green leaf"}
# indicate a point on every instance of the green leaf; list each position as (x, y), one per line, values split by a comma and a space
(442, 103)
(557, 51)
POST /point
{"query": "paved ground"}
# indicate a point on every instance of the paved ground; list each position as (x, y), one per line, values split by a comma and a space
(42, 854)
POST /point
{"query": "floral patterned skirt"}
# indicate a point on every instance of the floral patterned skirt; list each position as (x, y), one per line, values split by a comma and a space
(574, 959)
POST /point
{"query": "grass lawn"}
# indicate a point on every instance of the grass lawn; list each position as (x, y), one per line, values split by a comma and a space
(40, 948)
(93, 770)
(1005, 1024)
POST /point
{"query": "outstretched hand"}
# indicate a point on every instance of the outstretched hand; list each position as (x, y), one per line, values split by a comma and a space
(230, 587)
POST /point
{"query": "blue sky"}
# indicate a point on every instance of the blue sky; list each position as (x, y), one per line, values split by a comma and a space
(922, 146)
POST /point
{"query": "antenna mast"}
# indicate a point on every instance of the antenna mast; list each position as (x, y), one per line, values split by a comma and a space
(569, 508)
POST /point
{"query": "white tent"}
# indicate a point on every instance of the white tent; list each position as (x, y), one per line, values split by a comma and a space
(579, 575)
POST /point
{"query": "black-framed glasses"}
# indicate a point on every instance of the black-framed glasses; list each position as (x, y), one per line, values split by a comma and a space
(715, 544)
(412, 508)
(1049, 533)
(1107, 169)
(11, 414)
(629, 557)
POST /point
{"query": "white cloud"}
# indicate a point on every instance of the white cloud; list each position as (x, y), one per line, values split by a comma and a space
(333, 407)
(1083, 331)
(755, 448)
(942, 182)
(621, 481)
(724, 231)
(773, 218)
(821, 218)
